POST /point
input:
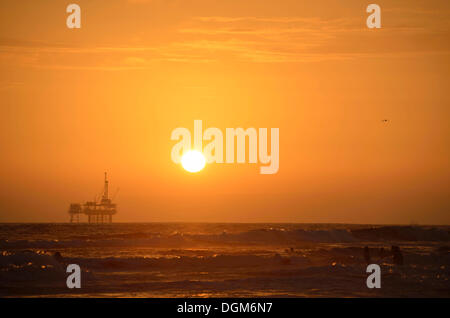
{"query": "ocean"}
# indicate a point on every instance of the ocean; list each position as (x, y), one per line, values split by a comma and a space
(222, 260)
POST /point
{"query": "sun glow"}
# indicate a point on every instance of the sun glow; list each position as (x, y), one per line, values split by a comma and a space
(193, 161)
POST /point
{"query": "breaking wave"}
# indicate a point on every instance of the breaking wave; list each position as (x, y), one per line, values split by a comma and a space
(272, 236)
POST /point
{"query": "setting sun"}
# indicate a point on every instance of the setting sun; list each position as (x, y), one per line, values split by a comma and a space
(193, 161)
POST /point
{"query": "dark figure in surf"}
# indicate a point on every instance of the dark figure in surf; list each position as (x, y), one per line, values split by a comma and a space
(382, 253)
(58, 257)
(397, 255)
(367, 254)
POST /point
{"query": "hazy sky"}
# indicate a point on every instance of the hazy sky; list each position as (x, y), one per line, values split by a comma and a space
(75, 103)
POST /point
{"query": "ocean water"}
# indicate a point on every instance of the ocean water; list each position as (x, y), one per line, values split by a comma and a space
(222, 260)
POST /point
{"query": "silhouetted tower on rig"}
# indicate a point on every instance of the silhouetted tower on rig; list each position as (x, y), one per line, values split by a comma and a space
(105, 189)
(97, 212)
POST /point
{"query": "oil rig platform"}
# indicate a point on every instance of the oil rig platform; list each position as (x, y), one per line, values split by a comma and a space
(98, 212)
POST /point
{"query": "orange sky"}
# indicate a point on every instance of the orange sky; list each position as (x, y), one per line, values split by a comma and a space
(74, 103)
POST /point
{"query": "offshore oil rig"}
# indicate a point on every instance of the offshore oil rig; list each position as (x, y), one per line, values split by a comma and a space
(97, 212)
